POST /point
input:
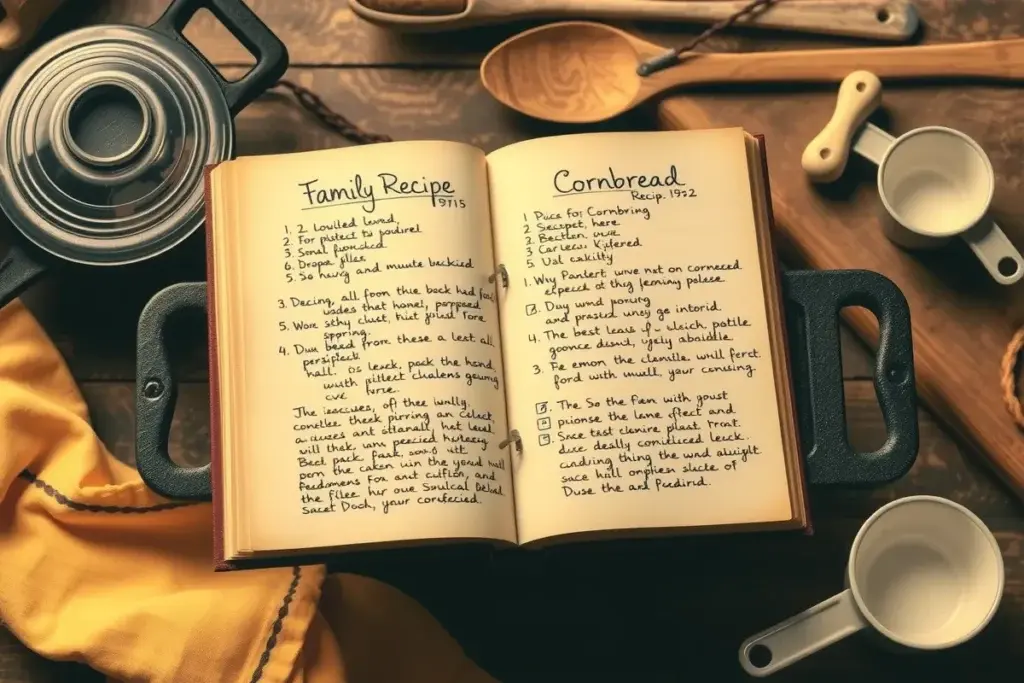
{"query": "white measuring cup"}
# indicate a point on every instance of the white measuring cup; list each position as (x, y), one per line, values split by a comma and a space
(935, 183)
(924, 573)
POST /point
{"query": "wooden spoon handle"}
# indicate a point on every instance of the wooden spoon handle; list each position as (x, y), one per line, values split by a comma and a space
(995, 59)
(416, 7)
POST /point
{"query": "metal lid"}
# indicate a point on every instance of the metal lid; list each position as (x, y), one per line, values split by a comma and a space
(106, 132)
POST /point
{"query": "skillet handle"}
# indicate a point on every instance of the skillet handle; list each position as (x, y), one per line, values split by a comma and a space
(19, 270)
(155, 395)
(270, 53)
(814, 301)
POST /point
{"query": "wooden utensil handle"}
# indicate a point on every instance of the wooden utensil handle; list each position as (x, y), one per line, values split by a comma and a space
(878, 19)
(415, 8)
(995, 59)
(825, 157)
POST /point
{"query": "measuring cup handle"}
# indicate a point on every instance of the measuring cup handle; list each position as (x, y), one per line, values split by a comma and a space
(872, 143)
(996, 252)
(824, 158)
(806, 633)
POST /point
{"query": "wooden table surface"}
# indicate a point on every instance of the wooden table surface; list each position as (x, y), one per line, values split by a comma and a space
(658, 611)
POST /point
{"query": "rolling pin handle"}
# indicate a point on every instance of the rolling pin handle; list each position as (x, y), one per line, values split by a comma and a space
(824, 159)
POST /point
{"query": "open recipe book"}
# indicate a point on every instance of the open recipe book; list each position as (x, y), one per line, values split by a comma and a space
(571, 337)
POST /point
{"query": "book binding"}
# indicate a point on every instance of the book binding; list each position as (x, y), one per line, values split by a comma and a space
(514, 440)
(500, 272)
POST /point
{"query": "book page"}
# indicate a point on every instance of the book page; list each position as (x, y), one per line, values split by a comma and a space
(373, 388)
(636, 334)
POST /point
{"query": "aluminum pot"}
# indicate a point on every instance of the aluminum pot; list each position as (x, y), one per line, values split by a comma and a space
(106, 134)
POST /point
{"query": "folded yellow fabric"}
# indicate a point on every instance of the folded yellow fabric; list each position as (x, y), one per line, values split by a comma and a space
(95, 567)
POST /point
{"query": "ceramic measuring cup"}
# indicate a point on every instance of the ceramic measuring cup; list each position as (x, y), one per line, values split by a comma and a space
(935, 183)
(924, 573)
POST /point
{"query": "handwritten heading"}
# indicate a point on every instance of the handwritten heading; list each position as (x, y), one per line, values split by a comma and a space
(367, 193)
(565, 183)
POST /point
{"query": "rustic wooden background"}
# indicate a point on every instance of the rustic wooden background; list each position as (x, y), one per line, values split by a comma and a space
(655, 611)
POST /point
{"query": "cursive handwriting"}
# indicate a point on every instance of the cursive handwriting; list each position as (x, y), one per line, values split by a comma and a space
(367, 193)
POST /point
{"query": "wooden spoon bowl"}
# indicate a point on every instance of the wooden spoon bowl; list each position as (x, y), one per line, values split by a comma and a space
(590, 71)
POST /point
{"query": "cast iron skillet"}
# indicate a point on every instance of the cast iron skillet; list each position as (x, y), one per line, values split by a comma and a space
(813, 301)
(49, 239)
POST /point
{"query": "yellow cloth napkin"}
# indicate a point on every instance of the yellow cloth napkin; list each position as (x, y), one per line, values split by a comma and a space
(95, 567)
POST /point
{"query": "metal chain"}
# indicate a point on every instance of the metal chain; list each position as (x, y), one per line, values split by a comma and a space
(672, 56)
(312, 103)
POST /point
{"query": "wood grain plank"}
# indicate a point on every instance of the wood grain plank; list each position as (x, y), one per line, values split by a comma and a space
(685, 604)
(316, 32)
(325, 32)
(962, 320)
(92, 313)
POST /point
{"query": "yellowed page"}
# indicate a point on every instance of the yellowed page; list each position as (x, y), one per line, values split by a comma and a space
(635, 334)
(374, 392)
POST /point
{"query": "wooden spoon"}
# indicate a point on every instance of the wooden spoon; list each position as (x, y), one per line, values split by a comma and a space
(583, 72)
(894, 20)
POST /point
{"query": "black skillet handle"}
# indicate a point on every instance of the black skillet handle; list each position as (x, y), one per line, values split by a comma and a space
(155, 395)
(813, 302)
(19, 270)
(270, 53)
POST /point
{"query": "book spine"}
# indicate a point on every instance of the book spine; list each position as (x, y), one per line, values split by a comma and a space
(801, 470)
(216, 478)
(513, 439)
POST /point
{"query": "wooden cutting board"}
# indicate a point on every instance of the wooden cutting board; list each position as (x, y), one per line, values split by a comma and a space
(962, 321)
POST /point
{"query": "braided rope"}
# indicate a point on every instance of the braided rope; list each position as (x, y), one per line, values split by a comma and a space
(1008, 370)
